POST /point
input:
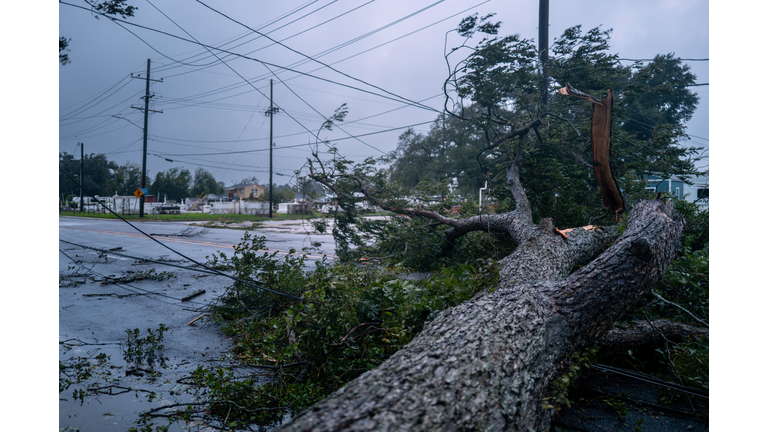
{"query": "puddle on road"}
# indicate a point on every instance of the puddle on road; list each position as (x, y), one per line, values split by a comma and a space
(108, 393)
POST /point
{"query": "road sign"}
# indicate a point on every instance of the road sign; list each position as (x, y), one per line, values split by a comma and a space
(140, 191)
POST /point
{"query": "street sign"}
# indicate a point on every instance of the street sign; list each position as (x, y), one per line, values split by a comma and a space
(138, 193)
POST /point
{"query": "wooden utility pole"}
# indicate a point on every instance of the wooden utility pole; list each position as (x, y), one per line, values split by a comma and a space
(82, 160)
(544, 47)
(146, 122)
(271, 113)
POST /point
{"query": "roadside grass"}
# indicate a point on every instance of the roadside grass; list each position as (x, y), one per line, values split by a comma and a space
(224, 218)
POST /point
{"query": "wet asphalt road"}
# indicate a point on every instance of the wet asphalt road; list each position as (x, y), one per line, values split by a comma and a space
(94, 317)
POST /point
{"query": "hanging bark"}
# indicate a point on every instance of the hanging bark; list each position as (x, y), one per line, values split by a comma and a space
(601, 148)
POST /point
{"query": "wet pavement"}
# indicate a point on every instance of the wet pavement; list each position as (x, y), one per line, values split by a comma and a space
(94, 317)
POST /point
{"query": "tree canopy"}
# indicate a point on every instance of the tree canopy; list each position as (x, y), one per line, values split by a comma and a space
(203, 183)
(97, 178)
(106, 178)
(493, 110)
(172, 184)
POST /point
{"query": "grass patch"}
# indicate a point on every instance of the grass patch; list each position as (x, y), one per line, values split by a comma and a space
(229, 218)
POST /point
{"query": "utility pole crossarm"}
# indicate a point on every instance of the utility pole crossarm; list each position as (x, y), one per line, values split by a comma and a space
(142, 108)
(141, 77)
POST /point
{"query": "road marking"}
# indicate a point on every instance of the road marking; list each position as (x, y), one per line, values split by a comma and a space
(203, 243)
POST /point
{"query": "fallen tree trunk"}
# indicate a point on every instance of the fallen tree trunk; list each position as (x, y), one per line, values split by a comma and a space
(648, 334)
(489, 363)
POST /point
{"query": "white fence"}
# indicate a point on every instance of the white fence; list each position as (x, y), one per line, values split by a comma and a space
(130, 205)
(239, 207)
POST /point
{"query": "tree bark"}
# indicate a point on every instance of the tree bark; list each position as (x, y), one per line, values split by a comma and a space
(648, 334)
(488, 363)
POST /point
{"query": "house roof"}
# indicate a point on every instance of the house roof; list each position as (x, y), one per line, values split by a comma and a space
(245, 185)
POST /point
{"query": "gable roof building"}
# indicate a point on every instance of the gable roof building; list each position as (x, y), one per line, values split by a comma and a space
(245, 190)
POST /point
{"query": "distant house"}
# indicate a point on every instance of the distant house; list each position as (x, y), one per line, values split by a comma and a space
(247, 190)
(697, 192)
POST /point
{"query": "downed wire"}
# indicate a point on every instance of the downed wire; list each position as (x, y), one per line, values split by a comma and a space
(163, 263)
(132, 288)
(652, 380)
(174, 251)
(106, 251)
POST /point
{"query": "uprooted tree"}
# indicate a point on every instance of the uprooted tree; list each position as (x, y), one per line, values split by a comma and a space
(495, 362)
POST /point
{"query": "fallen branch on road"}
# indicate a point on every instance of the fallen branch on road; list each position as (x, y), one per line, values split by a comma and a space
(193, 295)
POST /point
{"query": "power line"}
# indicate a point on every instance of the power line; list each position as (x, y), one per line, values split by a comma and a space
(629, 59)
(318, 112)
(321, 63)
(269, 23)
(118, 21)
(103, 111)
(232, 87)
(134, 290)
(249, 167)
(174, 251)
(301, 145)
(238, 74)
(349, 42)
(93, 101)
(261, 28)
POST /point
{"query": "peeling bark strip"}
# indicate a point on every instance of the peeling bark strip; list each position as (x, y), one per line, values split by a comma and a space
(601, 148)
(488, 363)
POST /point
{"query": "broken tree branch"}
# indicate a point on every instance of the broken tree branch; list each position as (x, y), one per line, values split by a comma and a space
(601, 148)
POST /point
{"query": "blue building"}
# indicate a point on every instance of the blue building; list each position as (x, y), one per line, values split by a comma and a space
(697, 191)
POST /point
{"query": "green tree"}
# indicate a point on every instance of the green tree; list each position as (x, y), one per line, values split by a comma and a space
(281, 193)
(97, 174)
(126, 179)
(204, 183)
(447, 153)
(173, 184)
(494, 113)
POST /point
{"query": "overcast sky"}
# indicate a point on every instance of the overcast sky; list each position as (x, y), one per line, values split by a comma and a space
(213, 113)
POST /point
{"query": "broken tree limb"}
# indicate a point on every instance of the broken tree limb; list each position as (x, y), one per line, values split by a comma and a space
(601, 148)
(645, 334)
(193, 295)
(192, 322)
(489, 363)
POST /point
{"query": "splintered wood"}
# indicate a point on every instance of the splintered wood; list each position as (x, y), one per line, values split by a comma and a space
(563, 232)
(601, 148)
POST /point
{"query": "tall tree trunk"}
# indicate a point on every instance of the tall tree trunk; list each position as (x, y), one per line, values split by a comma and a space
(488, 364)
